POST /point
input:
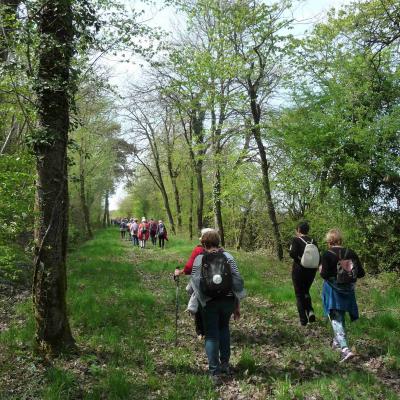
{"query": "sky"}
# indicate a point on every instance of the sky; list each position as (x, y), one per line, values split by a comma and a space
(306, 14)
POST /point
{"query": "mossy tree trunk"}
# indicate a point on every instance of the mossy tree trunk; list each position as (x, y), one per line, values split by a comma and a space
(55, 24)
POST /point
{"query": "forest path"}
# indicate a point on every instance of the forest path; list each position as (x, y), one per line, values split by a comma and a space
(122, 306)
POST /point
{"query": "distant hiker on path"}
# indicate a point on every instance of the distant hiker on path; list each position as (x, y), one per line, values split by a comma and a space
(123, 228)
(135, 232)
(305, 254)
(153, 231)
(340, 268)
(161, 234)
(144, 233)
(218, 286)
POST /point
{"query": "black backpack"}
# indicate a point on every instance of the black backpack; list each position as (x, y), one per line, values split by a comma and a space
(216, 275)
(347, 269)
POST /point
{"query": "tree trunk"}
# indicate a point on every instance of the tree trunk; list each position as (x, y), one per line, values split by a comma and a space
(173, 176)
(191, 190)
(256, 113)
(200, 196)
(53, 333)
(83, 197)
(243, 224)
(106, 216)
(217, 205)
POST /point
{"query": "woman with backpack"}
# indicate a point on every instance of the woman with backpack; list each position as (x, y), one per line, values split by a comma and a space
(340, 268)
(144, 233)
(304, 271)
(218, 286)
(161, 233)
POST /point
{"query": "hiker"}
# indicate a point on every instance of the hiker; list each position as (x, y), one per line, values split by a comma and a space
(128, 226)
(161, 233)
(340, 268)
(303, 275)
(218, 296)
(134, 232)
(122, 228)
(153, 231)
(187, 270)
(143, 233)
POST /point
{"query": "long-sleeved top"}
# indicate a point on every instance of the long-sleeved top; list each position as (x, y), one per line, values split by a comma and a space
(237, 281)
(329, 262)
(297, 248)
(339, 296)
(189, 265)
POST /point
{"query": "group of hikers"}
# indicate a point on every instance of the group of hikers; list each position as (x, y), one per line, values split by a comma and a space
(216, 289)
(140, 233)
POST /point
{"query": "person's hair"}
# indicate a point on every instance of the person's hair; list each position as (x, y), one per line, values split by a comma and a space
(210, 239)
(334, 237)
(303, 227)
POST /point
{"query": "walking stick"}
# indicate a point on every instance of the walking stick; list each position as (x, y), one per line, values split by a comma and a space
(176, 278)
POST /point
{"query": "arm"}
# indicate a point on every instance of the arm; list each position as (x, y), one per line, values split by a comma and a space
(294, 250)
(324, 267)
(361, 271)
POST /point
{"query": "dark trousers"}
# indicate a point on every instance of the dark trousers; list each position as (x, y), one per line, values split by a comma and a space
(135, 240)
(302, 280)
(216, 315)
(153, 239)
(161, 241)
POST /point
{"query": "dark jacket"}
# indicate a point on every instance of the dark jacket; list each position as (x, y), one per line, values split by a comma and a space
(329, 262)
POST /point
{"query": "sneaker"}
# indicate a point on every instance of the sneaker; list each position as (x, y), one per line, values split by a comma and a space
(335, 345)
(225, 368)
(216, 380)
(311, 316)
(346, 354)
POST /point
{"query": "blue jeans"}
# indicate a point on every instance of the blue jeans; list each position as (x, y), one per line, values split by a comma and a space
(337, 318)
(216, 315)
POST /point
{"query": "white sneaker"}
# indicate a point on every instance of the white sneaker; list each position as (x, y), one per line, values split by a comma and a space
(346, 354)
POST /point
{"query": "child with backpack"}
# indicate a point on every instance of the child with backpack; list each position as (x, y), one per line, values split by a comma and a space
(305, 254)
(144, 233)
(340, 268)
(218, 287)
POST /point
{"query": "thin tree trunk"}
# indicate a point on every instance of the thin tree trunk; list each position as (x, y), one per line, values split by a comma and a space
(243, 224)
(14, 128)
(83, 197)
(217, 205)
(53, 333)
(256, 113)
(191, 190)
(106, 216)
(173, 176)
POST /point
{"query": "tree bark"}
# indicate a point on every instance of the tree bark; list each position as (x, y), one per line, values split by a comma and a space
(191, 190)
(256, 113)
(53, 333)
(106, 216)
(243, 223)
(85, 208)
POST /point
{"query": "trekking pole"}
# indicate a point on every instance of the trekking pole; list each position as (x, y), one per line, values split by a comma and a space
(176, 278)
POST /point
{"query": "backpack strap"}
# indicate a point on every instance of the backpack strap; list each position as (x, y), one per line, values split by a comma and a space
(304, 240)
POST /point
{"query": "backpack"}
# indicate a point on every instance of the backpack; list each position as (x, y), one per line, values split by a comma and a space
(347, 270)
(161, 229)
(310, 257)
(153, 228)
(215, 275)
(143, 229)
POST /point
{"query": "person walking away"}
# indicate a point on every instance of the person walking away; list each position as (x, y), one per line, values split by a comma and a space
(303, 275)
(143, 233)
(218, 286)
(340, 268)
(128, 227)
(135, 232)
(122, 228)
(187, 270)
(161, 234)
(153, 231)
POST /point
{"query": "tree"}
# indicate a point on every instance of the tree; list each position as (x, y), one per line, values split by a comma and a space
(55, 23)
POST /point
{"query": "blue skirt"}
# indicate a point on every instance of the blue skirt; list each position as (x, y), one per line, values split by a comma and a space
(342, 298)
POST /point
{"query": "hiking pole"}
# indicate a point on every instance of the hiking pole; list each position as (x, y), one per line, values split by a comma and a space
(176, 278)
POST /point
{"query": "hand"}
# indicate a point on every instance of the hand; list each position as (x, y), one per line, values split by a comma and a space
(236, 314)
(177, 272)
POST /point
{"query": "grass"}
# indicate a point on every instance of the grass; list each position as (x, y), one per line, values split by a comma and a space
(122, 309)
